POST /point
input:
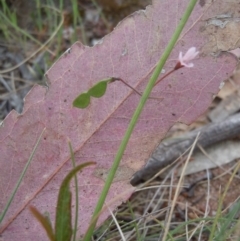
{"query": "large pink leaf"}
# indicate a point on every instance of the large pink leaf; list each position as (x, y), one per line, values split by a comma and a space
(129, 52)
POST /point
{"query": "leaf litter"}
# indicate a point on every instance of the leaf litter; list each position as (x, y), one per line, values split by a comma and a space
(206, 177)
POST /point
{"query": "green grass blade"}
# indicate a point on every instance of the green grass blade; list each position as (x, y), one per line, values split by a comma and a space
(136, 116)
(78, 19)
(18, 29)
(138, 235)
(20, 178)
(219, 210)
(76, 193)
(45, 222)
(101, 14)
(225, 226)
(63, 224)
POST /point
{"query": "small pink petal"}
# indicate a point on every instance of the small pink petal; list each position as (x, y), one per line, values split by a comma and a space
(190, 55)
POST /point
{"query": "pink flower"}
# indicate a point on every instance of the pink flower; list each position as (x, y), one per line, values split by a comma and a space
(189, 56)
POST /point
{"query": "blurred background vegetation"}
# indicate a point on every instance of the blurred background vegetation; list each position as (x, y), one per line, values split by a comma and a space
(33, 34)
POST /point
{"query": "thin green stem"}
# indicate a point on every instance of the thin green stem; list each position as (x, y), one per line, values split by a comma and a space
(77, 17)
(76, 192)
(101, 14)
(6, 19)
(219, 210)
(20, 178)
(124, 82)
(136, 115)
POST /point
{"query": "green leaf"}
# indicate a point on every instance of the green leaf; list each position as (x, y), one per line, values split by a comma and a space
(44, 221)
(82, 101)
(63, 224)
(99, 89)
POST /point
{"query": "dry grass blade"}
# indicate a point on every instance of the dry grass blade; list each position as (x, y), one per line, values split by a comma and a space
(117, 224)
(207, 205)
(219, 210)
(38, 50)
(226, 171)
(178, 189)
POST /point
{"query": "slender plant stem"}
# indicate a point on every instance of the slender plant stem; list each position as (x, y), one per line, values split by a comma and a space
(20, 178)
(164, 76)
(76, 193)
(124, 82)
(136, 115)
(220, 204)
